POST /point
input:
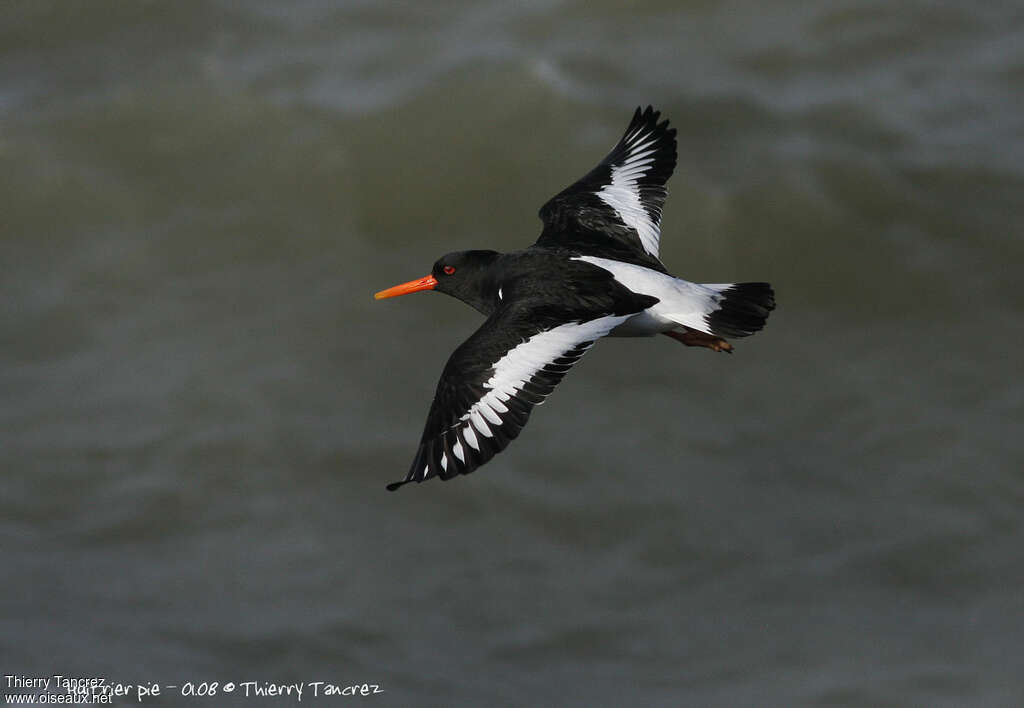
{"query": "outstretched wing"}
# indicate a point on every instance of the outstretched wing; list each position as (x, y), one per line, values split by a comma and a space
(615, 210)
(491, 384)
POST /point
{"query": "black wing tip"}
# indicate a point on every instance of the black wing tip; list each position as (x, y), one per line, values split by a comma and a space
(648, 113)
(409, 478)
(648, 117)
(466, 468)
(645, 123)
(560, 212)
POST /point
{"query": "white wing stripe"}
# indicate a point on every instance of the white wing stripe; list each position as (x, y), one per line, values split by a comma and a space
(516, 368)
(623, 193)
(487, 408)
(623, 196)
(478, 421)
(467, 432)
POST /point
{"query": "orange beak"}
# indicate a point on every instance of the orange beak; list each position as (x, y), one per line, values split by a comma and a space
(427, 283)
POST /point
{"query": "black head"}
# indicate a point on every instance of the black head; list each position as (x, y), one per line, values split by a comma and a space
(465, 275)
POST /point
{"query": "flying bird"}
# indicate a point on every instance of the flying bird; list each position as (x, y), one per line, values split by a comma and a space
(593, 272)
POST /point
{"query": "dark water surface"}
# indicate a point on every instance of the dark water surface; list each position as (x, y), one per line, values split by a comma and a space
(200, 402)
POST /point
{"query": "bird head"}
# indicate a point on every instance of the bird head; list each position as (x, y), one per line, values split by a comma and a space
(461, 274)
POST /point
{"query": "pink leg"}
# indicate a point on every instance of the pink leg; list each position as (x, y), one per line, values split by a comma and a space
(693, 338)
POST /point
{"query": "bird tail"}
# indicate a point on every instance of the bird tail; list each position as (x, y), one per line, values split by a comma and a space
(742, 310)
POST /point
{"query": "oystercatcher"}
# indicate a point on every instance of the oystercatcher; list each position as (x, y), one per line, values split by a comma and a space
(593, 272)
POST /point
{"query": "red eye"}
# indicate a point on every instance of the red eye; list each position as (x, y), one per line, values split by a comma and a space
(448, 270)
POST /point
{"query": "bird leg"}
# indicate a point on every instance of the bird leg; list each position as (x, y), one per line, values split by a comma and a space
(694, 338)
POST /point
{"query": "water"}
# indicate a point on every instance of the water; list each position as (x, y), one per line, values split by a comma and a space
(201, 401)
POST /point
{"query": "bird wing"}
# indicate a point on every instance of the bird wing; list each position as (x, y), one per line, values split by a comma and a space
(491, 384)
(615, 210)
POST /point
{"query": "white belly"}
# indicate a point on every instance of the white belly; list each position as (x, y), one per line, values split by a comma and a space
(644, 324)
(680, 302)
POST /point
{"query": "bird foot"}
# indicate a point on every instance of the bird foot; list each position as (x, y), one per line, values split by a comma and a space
(693, 338)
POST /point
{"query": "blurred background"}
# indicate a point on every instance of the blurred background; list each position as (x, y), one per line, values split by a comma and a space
(202, 402)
